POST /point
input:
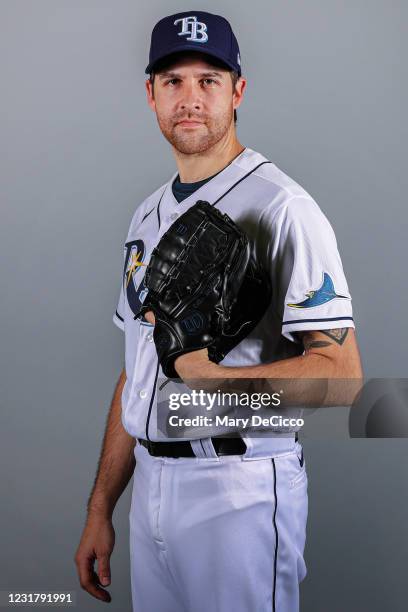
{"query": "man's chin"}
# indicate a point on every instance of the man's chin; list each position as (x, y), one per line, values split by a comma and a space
(191, 146)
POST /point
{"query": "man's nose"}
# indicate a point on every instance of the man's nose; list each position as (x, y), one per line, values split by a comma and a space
(191, 97)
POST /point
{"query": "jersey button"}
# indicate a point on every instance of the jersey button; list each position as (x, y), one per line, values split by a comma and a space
(173, 216)
(149, 337)
(142, 393)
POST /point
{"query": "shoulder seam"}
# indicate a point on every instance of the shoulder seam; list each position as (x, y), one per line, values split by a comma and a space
(269, 179)
(284, 205)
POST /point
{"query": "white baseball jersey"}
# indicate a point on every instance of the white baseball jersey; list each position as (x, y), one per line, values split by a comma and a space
(289, 235)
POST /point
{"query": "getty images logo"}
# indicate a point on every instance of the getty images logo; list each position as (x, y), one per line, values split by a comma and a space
(193, 29)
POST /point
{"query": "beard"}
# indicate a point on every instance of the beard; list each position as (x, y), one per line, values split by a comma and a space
(197, 140)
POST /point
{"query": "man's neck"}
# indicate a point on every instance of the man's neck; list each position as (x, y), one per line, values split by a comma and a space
(199, 166)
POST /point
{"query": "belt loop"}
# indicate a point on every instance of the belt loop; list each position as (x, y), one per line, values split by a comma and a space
(204, 448)
(198, 448)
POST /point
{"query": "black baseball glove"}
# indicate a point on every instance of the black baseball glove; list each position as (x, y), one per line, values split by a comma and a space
(204, 287)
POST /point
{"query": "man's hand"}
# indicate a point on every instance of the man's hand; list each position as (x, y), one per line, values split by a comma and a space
(149, 316)
(115, 469)
(97, 542)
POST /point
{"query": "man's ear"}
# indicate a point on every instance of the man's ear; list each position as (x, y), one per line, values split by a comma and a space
(150, 95)
(239, 92)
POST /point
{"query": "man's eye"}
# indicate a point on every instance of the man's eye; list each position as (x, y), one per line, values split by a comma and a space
(172, 81)
(208, 81)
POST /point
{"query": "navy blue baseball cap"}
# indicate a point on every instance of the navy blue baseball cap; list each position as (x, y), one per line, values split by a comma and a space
(194, 31)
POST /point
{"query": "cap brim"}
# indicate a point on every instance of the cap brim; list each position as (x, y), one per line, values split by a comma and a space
(194, 49)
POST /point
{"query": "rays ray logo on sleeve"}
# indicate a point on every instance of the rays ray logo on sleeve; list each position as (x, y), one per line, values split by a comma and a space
(317, 297)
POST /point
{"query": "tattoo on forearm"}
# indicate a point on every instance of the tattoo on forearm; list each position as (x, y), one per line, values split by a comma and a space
(308, 344)
(338, 335)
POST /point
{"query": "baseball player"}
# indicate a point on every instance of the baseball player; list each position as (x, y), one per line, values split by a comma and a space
(216, 523)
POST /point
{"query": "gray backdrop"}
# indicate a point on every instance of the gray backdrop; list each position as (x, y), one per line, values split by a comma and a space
(326, 101)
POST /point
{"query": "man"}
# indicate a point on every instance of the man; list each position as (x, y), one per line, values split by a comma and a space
(217, 525)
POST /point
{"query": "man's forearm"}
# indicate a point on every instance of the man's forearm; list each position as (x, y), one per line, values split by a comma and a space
(315, 366)
(328, 373)
(117, 461)
(328, 354)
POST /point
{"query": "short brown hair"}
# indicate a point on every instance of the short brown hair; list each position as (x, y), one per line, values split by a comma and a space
(167, 61)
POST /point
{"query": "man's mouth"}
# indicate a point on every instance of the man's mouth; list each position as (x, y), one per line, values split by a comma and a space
(189, 123)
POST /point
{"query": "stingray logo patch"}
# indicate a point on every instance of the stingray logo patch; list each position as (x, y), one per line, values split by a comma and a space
(325, 293)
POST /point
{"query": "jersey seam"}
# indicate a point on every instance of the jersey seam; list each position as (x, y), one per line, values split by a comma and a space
(284, 206)
(271, 180)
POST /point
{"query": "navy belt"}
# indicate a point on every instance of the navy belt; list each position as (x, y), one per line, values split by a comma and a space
(222, 446)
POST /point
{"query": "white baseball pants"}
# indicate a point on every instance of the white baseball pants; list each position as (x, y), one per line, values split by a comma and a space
(218, 534)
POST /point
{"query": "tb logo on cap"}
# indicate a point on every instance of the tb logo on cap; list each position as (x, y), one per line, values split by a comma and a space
(193, 28)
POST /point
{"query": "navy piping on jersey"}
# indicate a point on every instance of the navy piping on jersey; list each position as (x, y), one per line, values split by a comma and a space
(275, 562)
(158, 218)
(119, 317)
(151, 401)
(318, 320)
(152, 209)
(147, 214)
(158, 207)
(241, 179)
